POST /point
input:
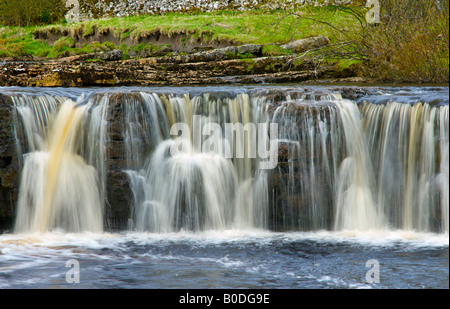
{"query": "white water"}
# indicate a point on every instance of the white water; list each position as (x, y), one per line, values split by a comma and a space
(348, 167)
(411, 185)
(443, 176)
(58, 189)
(362, 182)
(385, 165)
(194, 188)
(224, 259)
(356, 207)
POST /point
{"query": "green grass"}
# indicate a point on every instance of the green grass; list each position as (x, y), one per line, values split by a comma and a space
(257, 27)
(401, 48)
(246, 27)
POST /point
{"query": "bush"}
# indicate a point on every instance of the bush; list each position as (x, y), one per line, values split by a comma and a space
(31, 12)
(411, 42)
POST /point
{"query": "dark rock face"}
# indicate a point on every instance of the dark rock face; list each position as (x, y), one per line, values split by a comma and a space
(118, 195)
(9, 167)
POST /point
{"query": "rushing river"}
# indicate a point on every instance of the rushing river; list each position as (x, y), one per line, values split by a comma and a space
(359, 202)
(226, 260)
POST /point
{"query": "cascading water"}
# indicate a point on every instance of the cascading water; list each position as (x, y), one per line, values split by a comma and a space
(342, 164)
(330, 176)
(409, 150)
(361, 179)
(341, 173)
(356, 207)
(442, 178)
(58, 189)
(308, 135)
(197, 187)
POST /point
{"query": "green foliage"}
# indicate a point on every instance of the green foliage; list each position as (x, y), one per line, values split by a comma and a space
(63, 44)
(30, 12)
(147, 49)
(94, 60)
(412, 42)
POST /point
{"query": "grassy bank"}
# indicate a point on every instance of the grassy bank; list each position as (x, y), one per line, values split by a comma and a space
(239, 27)
(409, 45)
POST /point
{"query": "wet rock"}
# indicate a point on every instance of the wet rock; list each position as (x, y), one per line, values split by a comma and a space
(9, 171)
(214, 55)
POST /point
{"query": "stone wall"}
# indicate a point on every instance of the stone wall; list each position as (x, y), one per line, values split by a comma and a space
(80, 10)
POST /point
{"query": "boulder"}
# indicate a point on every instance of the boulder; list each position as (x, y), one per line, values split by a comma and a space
(303, 45)
(112, 55)
(254, 49)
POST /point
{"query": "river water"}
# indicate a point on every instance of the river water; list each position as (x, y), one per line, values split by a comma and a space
(382, 257)
(226, 260)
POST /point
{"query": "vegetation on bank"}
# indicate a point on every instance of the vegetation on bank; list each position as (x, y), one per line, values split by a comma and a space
(31, 12)
(410, 44)
(256, 27)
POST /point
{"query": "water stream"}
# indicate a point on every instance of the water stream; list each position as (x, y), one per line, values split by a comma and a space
(354, 179)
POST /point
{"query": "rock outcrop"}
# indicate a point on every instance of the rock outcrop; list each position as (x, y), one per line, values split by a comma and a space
(307, 44)
(9, 163)
(229, 65)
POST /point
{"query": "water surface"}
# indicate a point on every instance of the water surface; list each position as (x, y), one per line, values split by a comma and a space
(229, 259)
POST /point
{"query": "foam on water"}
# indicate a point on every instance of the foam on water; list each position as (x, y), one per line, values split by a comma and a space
(231, 258)
(61, 240)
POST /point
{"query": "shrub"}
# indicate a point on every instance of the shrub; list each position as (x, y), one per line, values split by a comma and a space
(31, 12)
(411, 42)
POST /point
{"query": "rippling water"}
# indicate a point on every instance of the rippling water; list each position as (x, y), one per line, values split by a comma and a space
(229, 259)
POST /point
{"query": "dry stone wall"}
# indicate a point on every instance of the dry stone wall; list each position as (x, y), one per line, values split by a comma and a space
(80, 10)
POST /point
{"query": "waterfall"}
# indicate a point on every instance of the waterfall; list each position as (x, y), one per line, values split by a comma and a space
(195, 161)
(444, 166)
(406, 144)
(356, 207)
(58, 189)
(360, 166)
(197, 187)
(308, 135)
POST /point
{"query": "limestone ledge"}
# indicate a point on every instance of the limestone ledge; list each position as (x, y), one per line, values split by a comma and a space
(212, 67)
